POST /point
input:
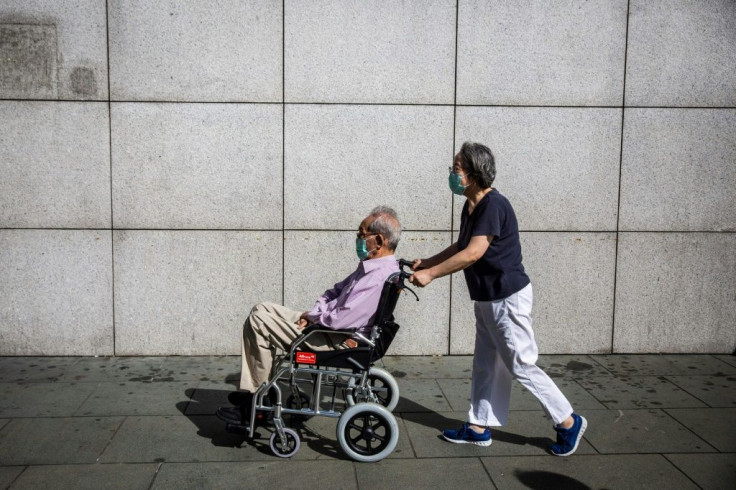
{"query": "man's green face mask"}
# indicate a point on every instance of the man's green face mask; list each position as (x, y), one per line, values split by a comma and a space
(360, 249)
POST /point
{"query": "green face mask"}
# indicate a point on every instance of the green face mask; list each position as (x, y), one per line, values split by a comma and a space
(455, 186)
(360, 249)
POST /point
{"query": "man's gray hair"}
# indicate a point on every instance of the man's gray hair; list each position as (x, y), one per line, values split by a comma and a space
(386, 222)
(480, 163)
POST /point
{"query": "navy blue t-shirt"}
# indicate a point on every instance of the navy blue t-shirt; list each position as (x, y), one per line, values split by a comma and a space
(499, 273)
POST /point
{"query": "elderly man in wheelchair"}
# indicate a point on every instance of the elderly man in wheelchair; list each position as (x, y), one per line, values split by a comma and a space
(332, 346)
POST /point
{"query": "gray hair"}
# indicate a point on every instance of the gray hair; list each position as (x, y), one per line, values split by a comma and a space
(386, 222)
(480, 163)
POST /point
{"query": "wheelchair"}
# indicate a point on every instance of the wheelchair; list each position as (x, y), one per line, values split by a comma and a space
(366, 429)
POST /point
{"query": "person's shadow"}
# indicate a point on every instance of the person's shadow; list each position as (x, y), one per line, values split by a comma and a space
(419, 414)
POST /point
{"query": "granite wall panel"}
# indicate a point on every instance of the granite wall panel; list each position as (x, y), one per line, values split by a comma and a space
(197, 166)
(55, 165)
(56, 293)
(189, 292)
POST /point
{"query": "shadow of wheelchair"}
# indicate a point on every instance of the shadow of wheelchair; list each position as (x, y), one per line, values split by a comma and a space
(200, 408)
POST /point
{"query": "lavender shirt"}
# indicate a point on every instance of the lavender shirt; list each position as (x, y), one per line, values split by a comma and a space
(353, 301)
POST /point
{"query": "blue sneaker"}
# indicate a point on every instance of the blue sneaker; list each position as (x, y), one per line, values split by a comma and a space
(568, 439)
(466, 435)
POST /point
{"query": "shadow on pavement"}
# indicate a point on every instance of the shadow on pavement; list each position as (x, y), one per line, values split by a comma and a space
(419, 414)
(547, 479)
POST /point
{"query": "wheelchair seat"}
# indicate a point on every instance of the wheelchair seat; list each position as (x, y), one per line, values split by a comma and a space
(368, 351)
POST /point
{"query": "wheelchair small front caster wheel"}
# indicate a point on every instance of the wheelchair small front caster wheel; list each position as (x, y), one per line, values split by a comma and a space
(383, 386)
(287, 447)
(367, 432)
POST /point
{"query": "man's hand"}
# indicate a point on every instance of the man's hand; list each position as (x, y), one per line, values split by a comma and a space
(417, 264)
(421, 278)
(302, 321)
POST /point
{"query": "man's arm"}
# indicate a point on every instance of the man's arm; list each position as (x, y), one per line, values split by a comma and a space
(356, 308)
(321, 304)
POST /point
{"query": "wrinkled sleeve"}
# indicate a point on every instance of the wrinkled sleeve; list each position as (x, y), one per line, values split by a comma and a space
(322, 303)
(357, 308)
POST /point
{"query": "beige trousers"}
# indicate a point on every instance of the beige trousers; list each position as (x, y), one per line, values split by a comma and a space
(270, 327)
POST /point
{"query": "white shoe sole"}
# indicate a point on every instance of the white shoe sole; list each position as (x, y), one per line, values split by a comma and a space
(577, 441)
(460, 441)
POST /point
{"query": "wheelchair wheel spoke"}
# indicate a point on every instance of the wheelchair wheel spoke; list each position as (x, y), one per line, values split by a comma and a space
(355, 439)
(355, 426)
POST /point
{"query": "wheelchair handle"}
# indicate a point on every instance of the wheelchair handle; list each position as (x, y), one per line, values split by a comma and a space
(406, 275)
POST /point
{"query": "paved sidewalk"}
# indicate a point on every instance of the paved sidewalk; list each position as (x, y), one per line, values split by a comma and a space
(654, 421)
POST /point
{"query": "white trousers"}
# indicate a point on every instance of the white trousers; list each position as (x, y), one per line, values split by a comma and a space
(505, 347)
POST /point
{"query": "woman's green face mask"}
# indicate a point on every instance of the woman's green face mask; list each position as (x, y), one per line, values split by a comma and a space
(455, 186)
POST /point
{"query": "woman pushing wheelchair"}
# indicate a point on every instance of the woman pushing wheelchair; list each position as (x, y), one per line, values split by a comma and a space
(488, 251)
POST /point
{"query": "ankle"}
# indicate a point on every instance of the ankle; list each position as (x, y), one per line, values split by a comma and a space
(478, 429)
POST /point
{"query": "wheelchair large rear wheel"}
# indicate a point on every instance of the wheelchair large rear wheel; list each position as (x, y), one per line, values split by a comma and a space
(383, 386)
(367, 432)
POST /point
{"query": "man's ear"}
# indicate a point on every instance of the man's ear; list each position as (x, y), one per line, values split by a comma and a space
(379, 240)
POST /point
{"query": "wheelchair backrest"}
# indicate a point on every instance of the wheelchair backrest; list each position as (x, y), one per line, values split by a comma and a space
(389, 297)
(384, 328)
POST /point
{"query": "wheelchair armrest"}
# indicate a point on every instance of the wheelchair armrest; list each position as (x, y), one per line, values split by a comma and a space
(317, 328)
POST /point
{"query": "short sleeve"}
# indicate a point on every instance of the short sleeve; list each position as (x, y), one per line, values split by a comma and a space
(489, 219)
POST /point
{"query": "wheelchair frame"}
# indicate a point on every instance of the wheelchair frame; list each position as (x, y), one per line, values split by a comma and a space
(367, 430)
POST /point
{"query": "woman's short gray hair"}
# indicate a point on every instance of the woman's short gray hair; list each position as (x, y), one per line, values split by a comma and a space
(480, 163)
(386, 222)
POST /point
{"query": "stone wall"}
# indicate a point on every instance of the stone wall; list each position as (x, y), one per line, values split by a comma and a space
(166, 165)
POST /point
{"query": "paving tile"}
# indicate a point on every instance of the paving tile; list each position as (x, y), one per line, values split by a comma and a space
(277, 473)
(3, 423)
(181, 439)
(31, 369)
(8, 474)
(42, 399)
(582, 471)
(640, 431)
(110, 398)
(638, 392)
(716, 391)
(728, 359)
(92, 477)
(69, 440)
(412, 367)
(712, 471)
(571, 366)
(420, 395)
(716, 425)
(663, 365)
(423, 473)
(206, 398)
(457, 392)
(97, 369)
(528, 433)
(221, 369)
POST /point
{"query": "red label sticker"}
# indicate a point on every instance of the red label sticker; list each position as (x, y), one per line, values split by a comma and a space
(306, 358)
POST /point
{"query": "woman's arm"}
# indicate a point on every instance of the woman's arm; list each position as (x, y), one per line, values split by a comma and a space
(436, 259)
(457, 262)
